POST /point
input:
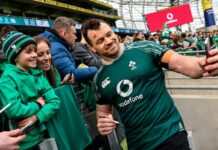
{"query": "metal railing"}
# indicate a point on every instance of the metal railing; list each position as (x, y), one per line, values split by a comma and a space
(192, 87)
(197, 53)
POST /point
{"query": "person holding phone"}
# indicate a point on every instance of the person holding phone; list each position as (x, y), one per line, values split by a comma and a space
(33, 101)
(9, 140)
(132, 80)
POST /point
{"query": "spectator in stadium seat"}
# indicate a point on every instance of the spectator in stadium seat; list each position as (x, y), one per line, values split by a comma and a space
(31, 97)
(62, 37)
(187, 43)
(138, 36)
(132, 80)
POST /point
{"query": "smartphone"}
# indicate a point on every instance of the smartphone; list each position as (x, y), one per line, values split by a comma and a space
(27, 128)
(207, 46)
(71, 75)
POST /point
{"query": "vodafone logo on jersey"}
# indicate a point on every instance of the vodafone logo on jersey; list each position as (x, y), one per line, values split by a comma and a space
(129, 89)
(127, 99)
(173, 17)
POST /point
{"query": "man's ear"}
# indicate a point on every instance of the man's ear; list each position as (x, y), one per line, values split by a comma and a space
(64, 32)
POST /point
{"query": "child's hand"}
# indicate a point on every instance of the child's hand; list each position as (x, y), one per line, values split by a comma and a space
(22, 123)
(41, 101)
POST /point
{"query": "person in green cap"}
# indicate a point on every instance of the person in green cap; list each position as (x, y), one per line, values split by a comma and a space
(32, 99)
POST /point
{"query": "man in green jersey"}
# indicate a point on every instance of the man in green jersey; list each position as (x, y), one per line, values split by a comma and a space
(132, 80)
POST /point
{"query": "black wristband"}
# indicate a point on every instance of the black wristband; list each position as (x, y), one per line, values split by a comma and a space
(40, 106)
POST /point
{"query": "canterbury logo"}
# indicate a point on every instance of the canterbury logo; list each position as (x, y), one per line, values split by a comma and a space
(129, 90)
(105, 82)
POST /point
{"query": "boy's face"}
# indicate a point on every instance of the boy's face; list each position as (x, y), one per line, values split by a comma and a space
(104, 41)
(27, 58)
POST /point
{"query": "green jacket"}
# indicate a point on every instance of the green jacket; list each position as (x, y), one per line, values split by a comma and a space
(2, 65)
(22, 89)
(3, 61)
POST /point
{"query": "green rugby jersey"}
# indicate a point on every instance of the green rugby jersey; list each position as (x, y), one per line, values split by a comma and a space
(215, 40)
(135, 85)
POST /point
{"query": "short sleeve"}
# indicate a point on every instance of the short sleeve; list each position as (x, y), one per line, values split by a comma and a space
(155, 50)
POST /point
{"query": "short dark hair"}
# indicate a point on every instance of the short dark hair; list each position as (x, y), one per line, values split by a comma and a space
(61, 23)
(91, 24)
(183, 35)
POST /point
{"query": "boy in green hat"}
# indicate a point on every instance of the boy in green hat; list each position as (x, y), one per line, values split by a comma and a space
(31, 97)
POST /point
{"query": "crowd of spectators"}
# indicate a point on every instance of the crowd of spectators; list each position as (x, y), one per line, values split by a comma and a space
(189, 43)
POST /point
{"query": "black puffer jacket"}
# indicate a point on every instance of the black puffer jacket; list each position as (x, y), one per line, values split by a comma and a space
(82, 54)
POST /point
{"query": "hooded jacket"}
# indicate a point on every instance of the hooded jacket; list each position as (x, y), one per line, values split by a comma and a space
(63, 60)
(22, 89)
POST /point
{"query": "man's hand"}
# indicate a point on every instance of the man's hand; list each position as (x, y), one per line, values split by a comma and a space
(9, 139)
(105, 124)
(211, 63)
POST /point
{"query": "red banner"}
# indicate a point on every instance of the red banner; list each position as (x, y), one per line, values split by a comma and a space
(173, 17)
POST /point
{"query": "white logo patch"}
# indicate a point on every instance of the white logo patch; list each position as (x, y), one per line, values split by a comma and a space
(132, 65)
(13, 46)
(105, 82)
(128, 92)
